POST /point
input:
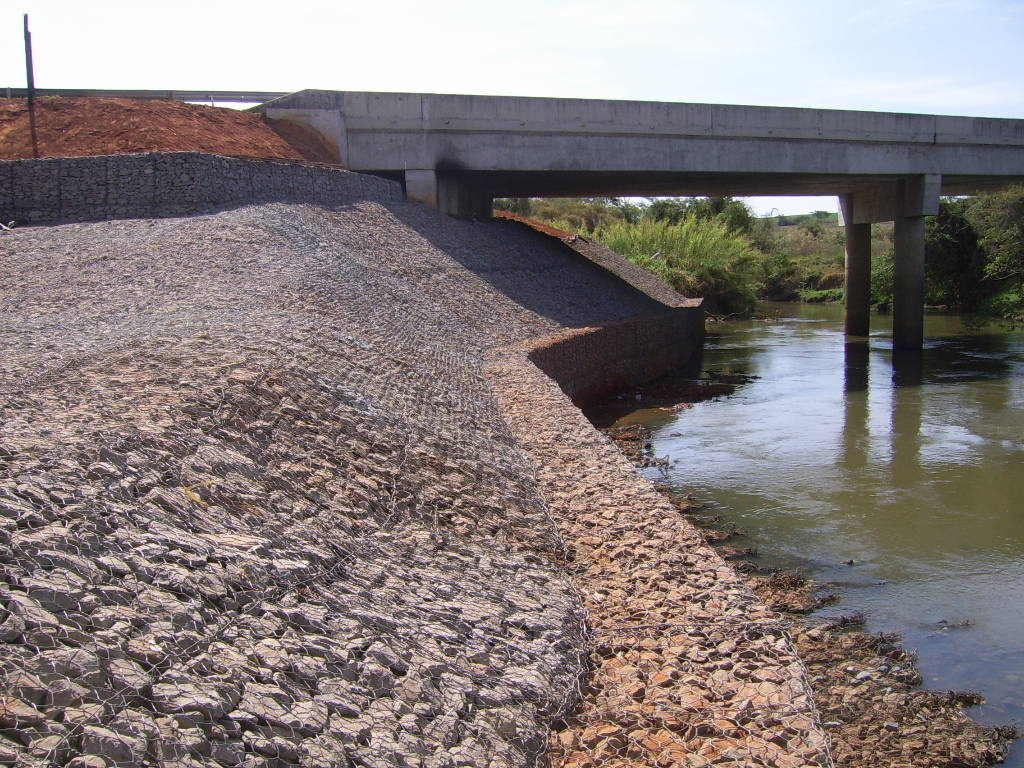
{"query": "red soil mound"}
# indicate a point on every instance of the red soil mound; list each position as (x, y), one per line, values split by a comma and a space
(559, 233)
(66, 127)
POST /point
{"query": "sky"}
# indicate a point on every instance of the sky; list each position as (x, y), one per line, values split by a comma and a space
(957, 57)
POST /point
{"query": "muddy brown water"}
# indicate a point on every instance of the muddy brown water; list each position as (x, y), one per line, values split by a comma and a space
(897, 482)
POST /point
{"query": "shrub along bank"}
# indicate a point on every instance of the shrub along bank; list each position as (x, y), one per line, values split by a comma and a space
(718, 249)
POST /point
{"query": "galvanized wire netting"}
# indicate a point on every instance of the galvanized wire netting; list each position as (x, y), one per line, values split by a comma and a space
(687, 666)
(256, 505)
(259, 506)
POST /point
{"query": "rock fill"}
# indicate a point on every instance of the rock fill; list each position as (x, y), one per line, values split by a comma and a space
(258, 504)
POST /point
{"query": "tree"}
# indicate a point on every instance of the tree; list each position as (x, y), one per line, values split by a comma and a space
(999, 220)
(954, 259)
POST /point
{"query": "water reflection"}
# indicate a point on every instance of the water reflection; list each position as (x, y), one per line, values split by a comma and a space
(856, 370)
(907, 410)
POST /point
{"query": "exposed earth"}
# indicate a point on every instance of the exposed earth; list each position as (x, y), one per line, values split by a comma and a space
(69, 127)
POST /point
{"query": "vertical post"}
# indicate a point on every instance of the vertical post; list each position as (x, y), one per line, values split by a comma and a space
(28, 64)
(908, 298)
(858, 271)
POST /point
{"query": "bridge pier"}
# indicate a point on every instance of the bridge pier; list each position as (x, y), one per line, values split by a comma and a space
(905, 202)
(451, 195)
(858, 271)
(908, 293)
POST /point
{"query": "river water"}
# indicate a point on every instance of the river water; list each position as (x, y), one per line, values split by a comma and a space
(912, 468)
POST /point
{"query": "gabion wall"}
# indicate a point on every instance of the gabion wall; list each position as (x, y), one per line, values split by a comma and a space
(159, 184)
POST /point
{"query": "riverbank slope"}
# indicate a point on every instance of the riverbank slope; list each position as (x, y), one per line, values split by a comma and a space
(277, 487)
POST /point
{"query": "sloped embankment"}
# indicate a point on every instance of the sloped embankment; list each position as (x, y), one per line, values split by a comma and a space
(260, 505)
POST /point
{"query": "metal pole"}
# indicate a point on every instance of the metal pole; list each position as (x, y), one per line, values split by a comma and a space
(28, 63)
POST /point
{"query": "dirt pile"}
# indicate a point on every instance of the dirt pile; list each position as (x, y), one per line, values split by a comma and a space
(68, 127)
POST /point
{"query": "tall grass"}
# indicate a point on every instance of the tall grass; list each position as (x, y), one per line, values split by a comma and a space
(696, 256)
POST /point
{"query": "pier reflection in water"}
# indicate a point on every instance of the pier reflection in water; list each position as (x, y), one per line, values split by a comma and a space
(909, 465)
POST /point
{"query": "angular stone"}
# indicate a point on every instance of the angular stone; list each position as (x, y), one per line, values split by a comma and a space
(79, 664)
(271, 654)
(147, 650)
(115, 596)
(385, 656)
(88, 713)
(341, 697)
(66, 693)
(52, 558)
(86, 761)
(128, 677)
(9, 751)
(118, 749)
(159, 603)
(12, 627)
(26, 686)
(377, 679)
(271, 745)
(135, 722)
(30, 611)
(52, 748)
(323, 752)
(276, 707)
(230, 752)
(114, 565)
(60, 591)
(212, 701)
(351, 730)
(16, 713)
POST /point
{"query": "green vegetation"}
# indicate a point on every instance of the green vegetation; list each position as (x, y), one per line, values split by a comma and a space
(715, 247)
(697, 257)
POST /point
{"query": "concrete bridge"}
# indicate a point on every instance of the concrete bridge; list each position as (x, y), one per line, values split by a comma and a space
(457, 153)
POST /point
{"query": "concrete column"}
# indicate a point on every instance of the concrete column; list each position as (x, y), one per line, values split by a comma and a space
(463, 199)
(908, 298)
(919, 197)
(858, 271)
(450, 195)
(421, 187)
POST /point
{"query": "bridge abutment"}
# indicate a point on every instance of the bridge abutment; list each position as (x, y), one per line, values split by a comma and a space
(451, 195)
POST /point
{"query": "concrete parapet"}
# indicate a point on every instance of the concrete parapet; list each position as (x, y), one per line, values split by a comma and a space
(160, 184)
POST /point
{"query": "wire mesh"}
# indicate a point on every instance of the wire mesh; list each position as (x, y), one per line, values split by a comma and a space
(258, 507)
